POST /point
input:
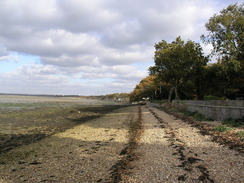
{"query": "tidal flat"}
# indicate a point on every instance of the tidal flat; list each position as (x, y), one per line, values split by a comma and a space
(26, 119)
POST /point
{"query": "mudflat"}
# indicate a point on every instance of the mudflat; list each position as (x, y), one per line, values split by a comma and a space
(73, 140)
(26, 119)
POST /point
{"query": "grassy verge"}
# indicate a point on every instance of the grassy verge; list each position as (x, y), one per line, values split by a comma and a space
(241, 135)
(234, 122)
(231, 129)
(223, 129)
(197, 116)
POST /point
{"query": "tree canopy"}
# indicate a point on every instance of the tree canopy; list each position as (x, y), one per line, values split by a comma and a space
(181, 67)
(226, 32)
(146, 88)
(178, 62)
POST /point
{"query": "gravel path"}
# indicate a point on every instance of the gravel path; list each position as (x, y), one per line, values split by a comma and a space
(172, 151)
(131, 144)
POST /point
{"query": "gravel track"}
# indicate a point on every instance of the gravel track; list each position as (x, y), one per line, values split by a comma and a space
(172, 151)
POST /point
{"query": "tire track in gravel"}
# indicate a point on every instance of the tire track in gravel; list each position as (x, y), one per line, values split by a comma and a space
(135, 132)
(189, 163)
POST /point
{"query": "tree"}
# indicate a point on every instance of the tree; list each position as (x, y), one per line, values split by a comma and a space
(177, 62)
(198, 61)
(215, 80)
(226, 34)
(146, 88)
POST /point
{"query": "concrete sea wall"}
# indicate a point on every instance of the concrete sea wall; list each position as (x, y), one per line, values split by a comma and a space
(216, 109)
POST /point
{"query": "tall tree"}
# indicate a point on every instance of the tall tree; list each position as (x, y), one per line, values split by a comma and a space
(176, 62)
(146, 88)
(226, 34)
(215, 80)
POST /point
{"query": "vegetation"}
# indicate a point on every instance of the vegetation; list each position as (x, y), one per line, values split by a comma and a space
(177, 62)
(240, 134)
(234, 122)
(181, 69)
(122, 97)
(226, 34)
(223, 129)
(197, 116)
(148, 87)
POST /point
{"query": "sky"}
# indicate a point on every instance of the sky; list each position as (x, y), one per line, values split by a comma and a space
(91, 47)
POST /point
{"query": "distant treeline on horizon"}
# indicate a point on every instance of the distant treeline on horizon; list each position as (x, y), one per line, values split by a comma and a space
(40, 95)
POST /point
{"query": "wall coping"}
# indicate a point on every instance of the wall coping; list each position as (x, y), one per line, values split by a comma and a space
(214, 106)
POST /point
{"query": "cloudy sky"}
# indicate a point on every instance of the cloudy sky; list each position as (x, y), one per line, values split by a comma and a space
(91, 47)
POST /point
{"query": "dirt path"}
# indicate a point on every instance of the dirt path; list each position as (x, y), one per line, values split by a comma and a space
(131, 144)
(172, 151)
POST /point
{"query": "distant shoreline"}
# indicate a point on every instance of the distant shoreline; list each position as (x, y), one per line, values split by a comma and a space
(40, 95)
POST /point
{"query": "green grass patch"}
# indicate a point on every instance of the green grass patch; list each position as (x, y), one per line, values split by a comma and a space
(241, 134)
(223, 129)
(234, 122)
(197, 116)
(211, 97)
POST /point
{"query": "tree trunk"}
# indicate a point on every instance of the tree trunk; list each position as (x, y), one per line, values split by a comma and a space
(170, 94)
(199, 89)
(177, 97)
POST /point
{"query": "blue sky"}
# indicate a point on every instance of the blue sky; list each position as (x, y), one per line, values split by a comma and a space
(89, 47)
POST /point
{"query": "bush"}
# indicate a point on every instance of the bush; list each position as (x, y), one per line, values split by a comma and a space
(234, 122)
(188, 113)
(197, 116)
(240, 134)
(223, 129)
(211, 97)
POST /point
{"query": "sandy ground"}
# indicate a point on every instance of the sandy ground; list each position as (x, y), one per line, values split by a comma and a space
(129, 144)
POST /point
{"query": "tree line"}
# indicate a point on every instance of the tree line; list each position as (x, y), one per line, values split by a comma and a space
(181, 69)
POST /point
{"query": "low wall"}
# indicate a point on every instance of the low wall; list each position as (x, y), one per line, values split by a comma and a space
(216, 109)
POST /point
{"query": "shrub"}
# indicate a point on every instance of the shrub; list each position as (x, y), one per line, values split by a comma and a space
(234, 122)
(223, 129)
(197, 116)
(240, 134)
(211, 97)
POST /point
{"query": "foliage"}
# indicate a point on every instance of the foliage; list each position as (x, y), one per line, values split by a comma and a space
(211, 97)
(226, 34)
(234, 122)
(197, 116)
(181, 69)
(215, 82)
(177, 63)
(226, 31)
(222, 129)
(240, 134)
(150, 87)
(146, 88)
(119, 97)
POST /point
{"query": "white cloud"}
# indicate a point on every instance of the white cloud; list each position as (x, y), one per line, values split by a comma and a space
(47, 79)
(9, 58)
(53, 43)
(96, 44)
